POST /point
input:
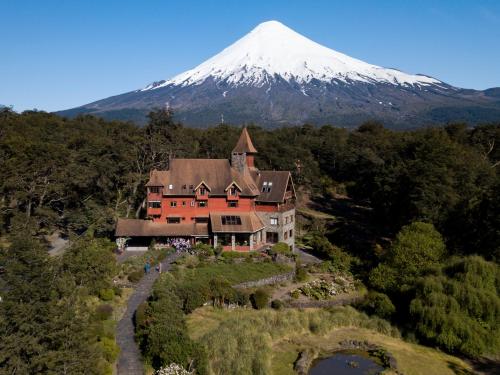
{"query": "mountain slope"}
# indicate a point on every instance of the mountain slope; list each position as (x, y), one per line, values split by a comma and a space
(274, 76)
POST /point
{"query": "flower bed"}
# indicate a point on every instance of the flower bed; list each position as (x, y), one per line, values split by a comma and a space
(322, 289)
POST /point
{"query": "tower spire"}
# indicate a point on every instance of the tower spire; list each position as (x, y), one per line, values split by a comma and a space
(245, 144)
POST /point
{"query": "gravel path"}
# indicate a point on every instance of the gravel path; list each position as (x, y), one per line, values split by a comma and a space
(129, 361)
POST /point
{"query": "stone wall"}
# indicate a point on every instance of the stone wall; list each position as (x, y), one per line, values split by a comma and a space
(267, 281)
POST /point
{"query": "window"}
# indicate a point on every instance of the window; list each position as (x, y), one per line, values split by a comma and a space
(173, 220)
(232, 204)
(274, 221)
(192, 203)
(266, 186)
(191, 187)
(286, 219)
(290, 233)
(233, 191)
(231, 220)
(154, 189)
(154, 204)
(183, 203)
(203, 204)
(285, 235)
(173, 204)
(184, 187)
(291, 219)
(170, 187)
(201, 219)
(202, 191)
(272, 237)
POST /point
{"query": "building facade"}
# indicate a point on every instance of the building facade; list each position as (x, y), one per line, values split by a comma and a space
(223, 202)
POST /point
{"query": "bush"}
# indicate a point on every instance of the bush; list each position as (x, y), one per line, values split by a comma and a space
(106, 294)
(103, 312)
(118, 291)
(110, 349)
(295, 294)
(280, 248)
(301, 274)
(241, 297)
(277, 304)
(259, 299)
(218, 250)
(190, 261)
(378, 304)
(135, 276)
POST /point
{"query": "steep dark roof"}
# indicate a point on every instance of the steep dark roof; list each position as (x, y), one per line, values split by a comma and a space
(215, 173)
(245, 144)
(279, 180)
(250, 222)
(147, 228)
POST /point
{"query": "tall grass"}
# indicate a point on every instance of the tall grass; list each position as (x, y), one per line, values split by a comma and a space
(242, 341)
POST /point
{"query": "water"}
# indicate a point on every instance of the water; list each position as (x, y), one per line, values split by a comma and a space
(346, 363)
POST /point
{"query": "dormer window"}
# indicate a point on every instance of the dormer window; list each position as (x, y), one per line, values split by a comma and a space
(202, 191)
(267, 186)
(184, 187)
(154, 189)
(233, 191)
(170, 187)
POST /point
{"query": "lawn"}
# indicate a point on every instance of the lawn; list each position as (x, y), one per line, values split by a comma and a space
(269, 341)
(234, 272)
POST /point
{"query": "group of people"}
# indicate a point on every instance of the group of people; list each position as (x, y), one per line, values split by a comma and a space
(147, 267)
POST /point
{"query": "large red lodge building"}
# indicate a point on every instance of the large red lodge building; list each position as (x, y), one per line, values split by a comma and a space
(217, 201)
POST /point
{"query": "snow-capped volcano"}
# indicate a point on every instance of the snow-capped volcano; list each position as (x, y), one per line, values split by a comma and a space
(275, 76)
(272, 49)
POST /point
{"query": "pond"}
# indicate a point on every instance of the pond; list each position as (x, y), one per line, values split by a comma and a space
(347, 363)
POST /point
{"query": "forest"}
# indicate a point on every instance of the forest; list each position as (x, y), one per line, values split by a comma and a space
(429, 250)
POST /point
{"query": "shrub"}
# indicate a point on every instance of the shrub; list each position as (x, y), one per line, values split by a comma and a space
(280, 248)
(277, 304)
(110, 349)
(295, 294)
(241, 297)
(191, 261)
(378, 304)
(218, 250)
(259, 299)
(103, 312)
(106, 294)
(203, 250)
(301, 274)
(118, 291)
(135, 276)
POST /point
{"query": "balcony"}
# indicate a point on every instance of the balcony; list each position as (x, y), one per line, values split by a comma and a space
(201, 197)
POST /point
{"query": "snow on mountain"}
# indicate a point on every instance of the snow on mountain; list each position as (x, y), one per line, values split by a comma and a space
(272, 49)
(274, 76)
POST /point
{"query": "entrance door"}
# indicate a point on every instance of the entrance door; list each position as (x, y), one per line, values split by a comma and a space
(271, 237)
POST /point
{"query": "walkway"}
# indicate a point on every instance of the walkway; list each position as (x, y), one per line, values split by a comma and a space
(129, 361)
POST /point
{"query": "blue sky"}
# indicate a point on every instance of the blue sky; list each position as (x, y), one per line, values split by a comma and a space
(61, 54)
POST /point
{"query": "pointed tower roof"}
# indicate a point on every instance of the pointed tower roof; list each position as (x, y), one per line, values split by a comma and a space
(245, 144)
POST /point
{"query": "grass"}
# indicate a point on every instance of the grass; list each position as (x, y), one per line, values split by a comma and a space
(310, 213)
(246, 341)
(234, 272)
